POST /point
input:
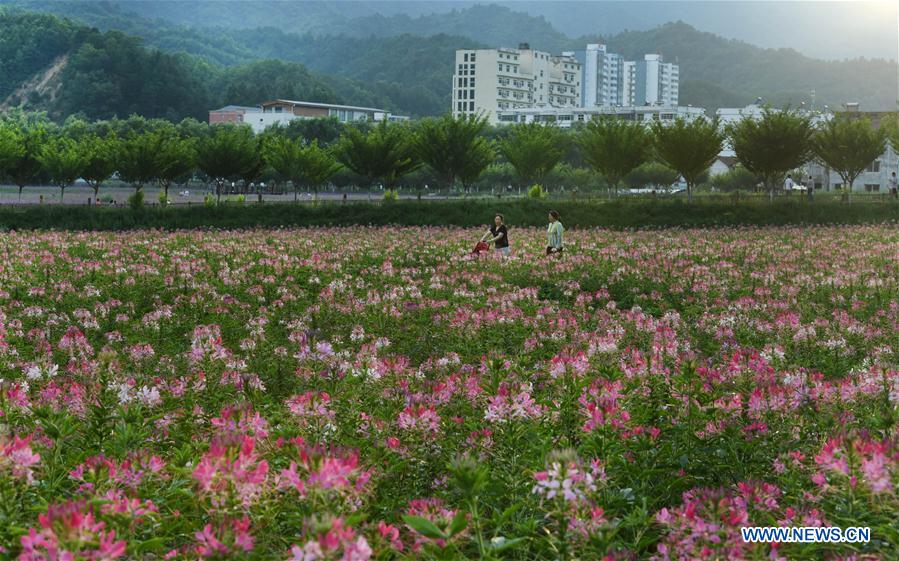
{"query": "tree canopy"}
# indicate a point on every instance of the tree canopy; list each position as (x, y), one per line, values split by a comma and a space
(385, 153)
(688, 147)
(534, 150)
(848, 146)
(772, 146)
(615, 147)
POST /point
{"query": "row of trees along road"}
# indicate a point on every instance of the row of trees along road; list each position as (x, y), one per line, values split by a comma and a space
(456, 150)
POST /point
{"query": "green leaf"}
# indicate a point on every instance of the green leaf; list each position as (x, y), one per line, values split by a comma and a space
(153, 544)
(460, 522)
(425, 527)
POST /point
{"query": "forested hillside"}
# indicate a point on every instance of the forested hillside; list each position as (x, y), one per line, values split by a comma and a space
(109, 74)
(712, 68)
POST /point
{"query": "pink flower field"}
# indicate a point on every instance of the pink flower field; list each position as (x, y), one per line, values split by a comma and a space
(379, 393)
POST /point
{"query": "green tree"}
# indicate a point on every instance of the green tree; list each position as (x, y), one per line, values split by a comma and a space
(688, 147)
(137, 161)
(614, 147)
(25, 165)
(736, 179)
(255, 168)
(285, 156)
(11, 148)
(317, 165)
(848, 146)
(650, 173)
(326, 130)
(772, 146)
(478, 158)
(227, 153)
(385, 152)
(175, 159)
(100, 158)
(454, 148)
(534, 150)
(64, 161)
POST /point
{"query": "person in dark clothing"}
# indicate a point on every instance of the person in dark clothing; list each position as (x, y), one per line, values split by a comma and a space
(498, 234)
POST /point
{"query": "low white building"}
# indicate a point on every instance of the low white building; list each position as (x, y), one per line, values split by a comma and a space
(567, 117)
(283, 111)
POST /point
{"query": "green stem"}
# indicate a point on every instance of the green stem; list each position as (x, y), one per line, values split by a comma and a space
(476, 521)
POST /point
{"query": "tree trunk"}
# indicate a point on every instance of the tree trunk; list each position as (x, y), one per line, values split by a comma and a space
(689, 193)
(20, 192)
(62, 192)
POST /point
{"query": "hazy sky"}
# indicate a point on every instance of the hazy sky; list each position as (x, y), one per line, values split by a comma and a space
(822, 29)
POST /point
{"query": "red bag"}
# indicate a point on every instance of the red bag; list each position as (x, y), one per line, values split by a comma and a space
(481, 247)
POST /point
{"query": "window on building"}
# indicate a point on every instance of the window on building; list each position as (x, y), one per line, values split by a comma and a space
(872, 187)
(472, 57)
(873, 167)
(471, 106)
(460, 82)
(459, 106)
(465, 57)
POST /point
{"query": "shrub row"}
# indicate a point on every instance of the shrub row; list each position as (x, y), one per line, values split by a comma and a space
(619, 214)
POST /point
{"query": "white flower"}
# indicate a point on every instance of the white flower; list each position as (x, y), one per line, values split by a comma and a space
(148, 396)
(33, 373)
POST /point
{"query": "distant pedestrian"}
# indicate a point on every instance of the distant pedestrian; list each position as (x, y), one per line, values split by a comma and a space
(788, 185)
(498, 234)
(554, 234)
(894, 186)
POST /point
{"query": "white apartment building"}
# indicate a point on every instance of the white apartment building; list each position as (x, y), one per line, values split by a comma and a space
(656, 82)
(490, 80)
(602, 78)
(566, 118)
(607, 80)
(629, 83)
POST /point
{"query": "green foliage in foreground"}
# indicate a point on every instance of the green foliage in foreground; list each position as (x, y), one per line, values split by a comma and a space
(624, 214)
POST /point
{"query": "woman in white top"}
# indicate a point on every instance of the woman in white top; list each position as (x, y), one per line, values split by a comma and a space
(554, 234)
